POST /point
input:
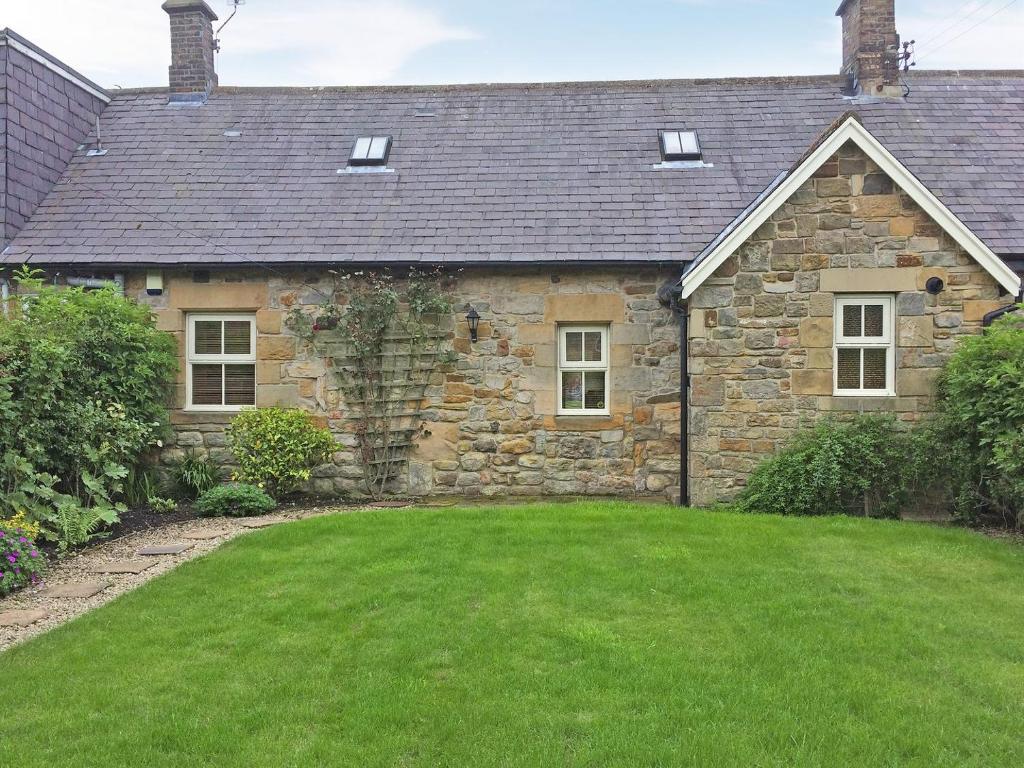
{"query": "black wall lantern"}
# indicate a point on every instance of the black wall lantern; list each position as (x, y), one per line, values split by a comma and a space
(473, 318)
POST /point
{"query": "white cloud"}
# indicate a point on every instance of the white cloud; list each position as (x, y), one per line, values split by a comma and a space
(301, 42)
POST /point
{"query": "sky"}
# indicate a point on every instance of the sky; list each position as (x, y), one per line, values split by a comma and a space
(124, 43)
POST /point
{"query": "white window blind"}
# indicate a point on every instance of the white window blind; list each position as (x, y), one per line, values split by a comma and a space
(221, 362)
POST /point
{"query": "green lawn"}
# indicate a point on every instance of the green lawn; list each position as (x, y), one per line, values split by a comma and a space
(584, 634)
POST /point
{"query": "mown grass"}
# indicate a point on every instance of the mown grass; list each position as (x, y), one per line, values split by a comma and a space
(588, 634)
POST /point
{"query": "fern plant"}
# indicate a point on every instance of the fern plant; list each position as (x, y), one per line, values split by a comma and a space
(76, 525)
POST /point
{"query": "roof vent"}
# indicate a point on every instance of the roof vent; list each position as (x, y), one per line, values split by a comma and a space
(370, 150)
(679, 145)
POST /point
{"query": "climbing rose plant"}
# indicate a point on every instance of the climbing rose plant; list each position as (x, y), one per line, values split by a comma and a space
(383, 338)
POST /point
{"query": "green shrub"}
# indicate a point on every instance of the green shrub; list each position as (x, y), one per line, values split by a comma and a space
(194, 475)
(84, 382)
(981, 415)
(277, 448)
(21, 563)
(162, 506)
(868, 465)
(234, 500)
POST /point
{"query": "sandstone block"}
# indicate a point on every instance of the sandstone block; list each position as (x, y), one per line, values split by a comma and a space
(916, 381)
(816, 332)
(275, 348)
(812, 382)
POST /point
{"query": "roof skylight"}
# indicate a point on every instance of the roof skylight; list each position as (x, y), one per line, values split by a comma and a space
(679, 145)
(370, 150)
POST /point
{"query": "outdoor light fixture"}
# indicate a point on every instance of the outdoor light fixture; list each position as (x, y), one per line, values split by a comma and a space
(473, 318)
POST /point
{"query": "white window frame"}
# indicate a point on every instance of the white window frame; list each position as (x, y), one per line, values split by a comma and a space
(887, 342)
(192, 358)
(565, 366)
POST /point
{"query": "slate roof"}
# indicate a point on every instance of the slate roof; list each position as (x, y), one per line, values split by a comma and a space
(499, 173)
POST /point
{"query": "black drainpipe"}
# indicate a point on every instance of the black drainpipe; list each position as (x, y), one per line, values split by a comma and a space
(670, 296)
(995, 314)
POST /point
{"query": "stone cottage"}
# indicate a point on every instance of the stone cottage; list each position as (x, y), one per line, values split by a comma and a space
(671, 276)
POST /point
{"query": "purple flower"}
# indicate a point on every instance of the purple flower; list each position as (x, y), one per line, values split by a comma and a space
(23, 540)
(17, 571)
(12, 558)
(2, 534)
(33, 553)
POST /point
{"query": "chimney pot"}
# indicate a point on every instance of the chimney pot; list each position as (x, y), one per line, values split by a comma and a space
(192, 73)
(871, 46)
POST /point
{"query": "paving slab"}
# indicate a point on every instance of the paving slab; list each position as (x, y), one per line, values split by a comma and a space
(121, 566)
(82, 589)
(22, 618)
(205, 535)
(163, 549)
(259, 523)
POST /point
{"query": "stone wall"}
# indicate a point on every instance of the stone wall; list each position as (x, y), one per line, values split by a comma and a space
(761, 347)
(492, 423)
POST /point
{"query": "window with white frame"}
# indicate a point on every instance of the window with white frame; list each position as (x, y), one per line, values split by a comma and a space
(865, 350)
(583, 370)
(221, 362)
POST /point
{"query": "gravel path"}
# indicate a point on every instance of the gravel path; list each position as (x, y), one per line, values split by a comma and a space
(80, 569)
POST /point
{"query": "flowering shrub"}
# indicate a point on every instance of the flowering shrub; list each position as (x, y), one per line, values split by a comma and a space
(21, 520)
(21, 563)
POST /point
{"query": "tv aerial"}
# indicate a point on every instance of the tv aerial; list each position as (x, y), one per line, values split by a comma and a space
(234, 9)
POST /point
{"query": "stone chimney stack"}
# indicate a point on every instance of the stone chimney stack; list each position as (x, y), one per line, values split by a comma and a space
(871, 46)
(192, 72)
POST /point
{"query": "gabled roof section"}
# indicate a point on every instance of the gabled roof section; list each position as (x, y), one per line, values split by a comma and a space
(553, 173)
(847, 128)
(12, 39)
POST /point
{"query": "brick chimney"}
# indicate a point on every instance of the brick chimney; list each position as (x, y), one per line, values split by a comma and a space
(871, 46)
(192, 72)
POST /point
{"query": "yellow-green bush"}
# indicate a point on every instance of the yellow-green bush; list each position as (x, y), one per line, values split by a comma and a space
(277, 448)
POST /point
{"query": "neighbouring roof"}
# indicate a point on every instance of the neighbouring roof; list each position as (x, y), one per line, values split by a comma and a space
(500, 173)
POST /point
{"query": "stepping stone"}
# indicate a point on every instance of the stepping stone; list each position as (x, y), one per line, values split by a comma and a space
(164, 549)
(259, 523)
(22, 618)
(121, 566)
(82, 589)
(205, 535)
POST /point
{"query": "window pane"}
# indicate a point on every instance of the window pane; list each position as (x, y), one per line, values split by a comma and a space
(240, 385)
(574, 347)
(671, 144)
(572, 390)
(873, 315)
(237, 337)
(206, 385)
(875, 368)
(594, 390)
(592, 347)
(361, 149)
(377, 147)
(848, 368)
(207, 337)
(688, 143)
(852, 320)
